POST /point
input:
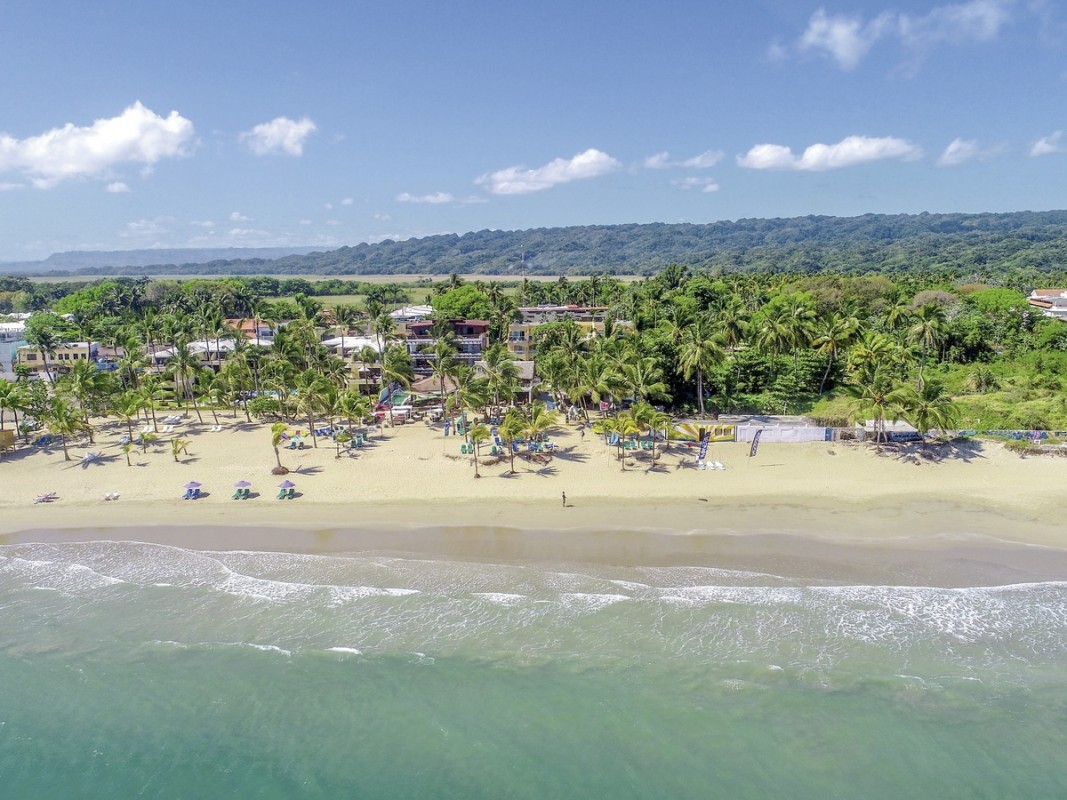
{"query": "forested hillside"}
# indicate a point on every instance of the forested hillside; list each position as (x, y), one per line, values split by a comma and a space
(958, 243)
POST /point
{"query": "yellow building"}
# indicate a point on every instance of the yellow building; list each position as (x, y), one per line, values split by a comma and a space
(60, 361)
(591, 319)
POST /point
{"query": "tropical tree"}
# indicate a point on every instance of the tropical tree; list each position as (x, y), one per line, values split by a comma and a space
(647, 416)
(478, 434)
(126, 448)
(277, 431)
(511, 429)
(65, 421)
(12, 398)
(927, 409)
(927, 330)
(698, 351)
(178, 446)
(873, 399)
(829, 336)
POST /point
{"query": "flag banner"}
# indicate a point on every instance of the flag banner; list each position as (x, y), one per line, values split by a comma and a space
(705, 437)
(755, 443)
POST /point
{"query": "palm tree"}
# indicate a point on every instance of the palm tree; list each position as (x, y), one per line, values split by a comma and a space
(926, 409)
(126, 407)
(874, 399)
(179, 446)
(511, 429)
(12, 398)
(830, 334)
(64, 420)
(928, 330)
(699, 351)
(312, 394)
(478, 434)
(277, 431)
(624, 425)
(644, 379)
(539, 420)
(126, 448)
(644, 414)
(147, 439)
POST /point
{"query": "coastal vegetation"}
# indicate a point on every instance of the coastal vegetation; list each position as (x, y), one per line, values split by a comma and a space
(936, 349)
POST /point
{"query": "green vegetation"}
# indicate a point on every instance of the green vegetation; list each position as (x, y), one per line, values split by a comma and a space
(936, 348)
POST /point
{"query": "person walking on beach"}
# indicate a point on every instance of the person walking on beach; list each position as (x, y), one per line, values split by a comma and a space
(564, 499)
(581, 433)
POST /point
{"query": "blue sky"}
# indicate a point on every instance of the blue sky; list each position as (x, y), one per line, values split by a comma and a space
(129, 125)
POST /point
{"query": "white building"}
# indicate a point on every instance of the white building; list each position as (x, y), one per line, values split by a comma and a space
(1050, 302)
(12, 337)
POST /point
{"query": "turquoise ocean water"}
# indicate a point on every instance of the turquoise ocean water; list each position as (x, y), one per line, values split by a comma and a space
(135, 670)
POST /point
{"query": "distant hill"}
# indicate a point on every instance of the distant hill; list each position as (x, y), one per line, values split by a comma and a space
(87, 260)
(870, 243)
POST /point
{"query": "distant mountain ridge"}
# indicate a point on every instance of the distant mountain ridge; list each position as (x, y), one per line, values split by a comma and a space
(89, 259)
(869, 243)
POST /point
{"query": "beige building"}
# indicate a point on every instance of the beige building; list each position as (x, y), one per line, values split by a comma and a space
(65, 356)
(591, 319)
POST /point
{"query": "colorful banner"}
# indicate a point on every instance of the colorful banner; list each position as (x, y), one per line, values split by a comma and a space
(704, 439)
(755, 443)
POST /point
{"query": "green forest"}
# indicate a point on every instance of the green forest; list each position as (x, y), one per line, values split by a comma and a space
(1029, 243)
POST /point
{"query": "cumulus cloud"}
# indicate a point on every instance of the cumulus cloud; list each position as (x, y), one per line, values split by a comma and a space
(1049, 145)
(137, 135)
(347, 201)
(591, 163)
(146, 229)
(849, 152)
(237, 216)
(117, 187)
(10, 187)
(702, 184)
(847, 39)
(206, 223)
(707, 159)
(280, 136)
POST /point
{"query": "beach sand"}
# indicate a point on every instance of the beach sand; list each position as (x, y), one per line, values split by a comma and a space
(975, 513)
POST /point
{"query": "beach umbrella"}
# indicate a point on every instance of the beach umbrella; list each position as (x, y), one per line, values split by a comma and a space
(192, 485)
(286, 485)
(241, 485)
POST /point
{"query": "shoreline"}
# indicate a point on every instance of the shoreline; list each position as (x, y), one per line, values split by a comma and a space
(817, 546)
(815, 505)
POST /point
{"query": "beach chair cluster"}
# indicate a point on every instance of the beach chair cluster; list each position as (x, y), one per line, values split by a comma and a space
(466, 449)
(287, 494)
(215, 429)
(111, 496)
(242, 493)
(45, 498)
(191, 494)
(46, 441)
(711, 465)
(356, 442)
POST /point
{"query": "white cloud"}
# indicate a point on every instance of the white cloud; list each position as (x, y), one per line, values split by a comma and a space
(1048, 145)
(707, 159)
(202, 223)
(10, 187)
(328, 206)
(703, 184)
(332, 222)
(434, 198)
(117, 187)
(237, 216)
(137, 135)
(959, 152)
(281, 136)
(519, 180)
(849, 152)
(848, 39)
(382, 217)
(347, 201)
(305, 222)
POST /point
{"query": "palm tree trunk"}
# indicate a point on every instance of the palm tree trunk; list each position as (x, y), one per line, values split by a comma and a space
(826, 374)
(700, 390)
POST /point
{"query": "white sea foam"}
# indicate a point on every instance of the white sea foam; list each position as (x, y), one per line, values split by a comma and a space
(355, 651)
(501, 598)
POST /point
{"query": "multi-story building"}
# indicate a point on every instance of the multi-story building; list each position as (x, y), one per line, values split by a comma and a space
(60, 361)
(591, 319)
(471, 337)
(208, 352)
(12, 337)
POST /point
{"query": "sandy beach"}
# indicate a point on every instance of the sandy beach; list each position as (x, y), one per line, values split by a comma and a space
(411, 477)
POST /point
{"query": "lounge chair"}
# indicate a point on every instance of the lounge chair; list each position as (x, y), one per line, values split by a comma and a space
(291, 494)
(238, 494)
(282, 493)
(188, 494)
(196, 494)
(245, 494)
